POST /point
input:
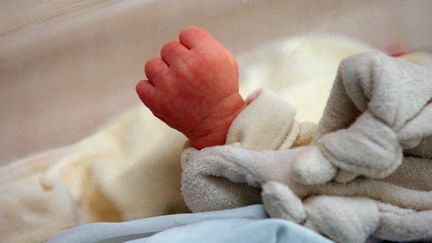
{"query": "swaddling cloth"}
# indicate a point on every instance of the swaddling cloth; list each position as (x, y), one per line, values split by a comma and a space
(119, 173)
(357, 179)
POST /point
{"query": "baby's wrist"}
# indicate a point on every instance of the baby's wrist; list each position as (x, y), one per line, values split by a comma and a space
(214, 133)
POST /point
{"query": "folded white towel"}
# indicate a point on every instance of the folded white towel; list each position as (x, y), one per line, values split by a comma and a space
(355, 180)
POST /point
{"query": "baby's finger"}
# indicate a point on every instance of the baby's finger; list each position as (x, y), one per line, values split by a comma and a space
(145, 89)
(192, 36)
(171, 51)
(155, 69)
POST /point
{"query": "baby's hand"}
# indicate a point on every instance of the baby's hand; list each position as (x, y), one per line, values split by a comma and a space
(193, 87)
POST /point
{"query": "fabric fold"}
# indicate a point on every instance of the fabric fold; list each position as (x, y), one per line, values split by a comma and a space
(355, 180)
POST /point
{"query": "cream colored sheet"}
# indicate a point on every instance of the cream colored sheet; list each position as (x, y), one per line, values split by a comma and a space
(128, 170)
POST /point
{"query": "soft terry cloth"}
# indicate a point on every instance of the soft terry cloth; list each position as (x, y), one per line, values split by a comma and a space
(367, 172)
(130, 168)
(248, 224)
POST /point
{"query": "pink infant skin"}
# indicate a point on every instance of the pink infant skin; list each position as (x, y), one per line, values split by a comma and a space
(193, 87)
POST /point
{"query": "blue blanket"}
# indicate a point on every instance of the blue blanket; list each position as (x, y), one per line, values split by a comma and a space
(248, 224)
